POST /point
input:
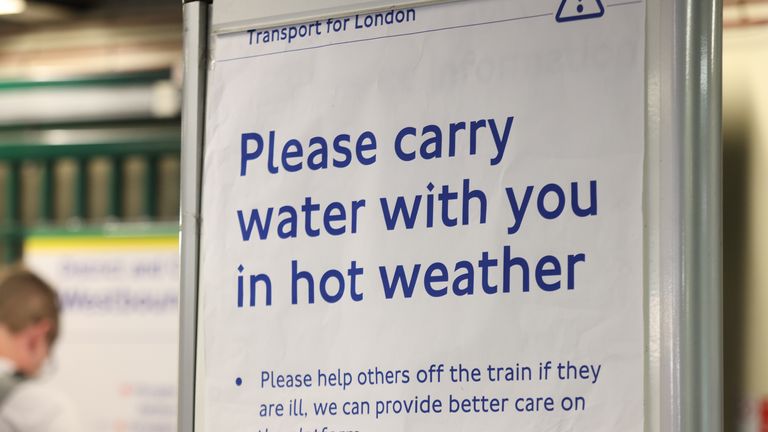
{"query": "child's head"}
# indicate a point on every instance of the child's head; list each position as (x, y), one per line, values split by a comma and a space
(29, 319)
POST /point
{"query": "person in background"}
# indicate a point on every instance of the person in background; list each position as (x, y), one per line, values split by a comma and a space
(29, 325)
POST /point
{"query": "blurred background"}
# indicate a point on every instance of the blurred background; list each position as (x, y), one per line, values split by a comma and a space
(89, 193)
(745, 214)
(89, 197)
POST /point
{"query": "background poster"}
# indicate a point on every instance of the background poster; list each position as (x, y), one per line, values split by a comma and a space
(117, 356)
(426, 219)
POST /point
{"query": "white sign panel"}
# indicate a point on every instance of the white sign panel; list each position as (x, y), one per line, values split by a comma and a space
(117, 356)
(426, 219)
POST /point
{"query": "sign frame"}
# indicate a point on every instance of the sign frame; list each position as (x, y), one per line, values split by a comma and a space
(682, 196)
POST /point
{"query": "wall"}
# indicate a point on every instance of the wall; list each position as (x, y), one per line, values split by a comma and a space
(745, 111)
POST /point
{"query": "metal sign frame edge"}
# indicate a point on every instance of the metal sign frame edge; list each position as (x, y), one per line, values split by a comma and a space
(196, 22)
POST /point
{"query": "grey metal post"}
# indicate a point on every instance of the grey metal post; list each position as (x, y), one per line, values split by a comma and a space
(192, 137)
(701, 318)
(682, 216)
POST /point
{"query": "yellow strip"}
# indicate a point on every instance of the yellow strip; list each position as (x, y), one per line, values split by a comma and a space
(100, 243)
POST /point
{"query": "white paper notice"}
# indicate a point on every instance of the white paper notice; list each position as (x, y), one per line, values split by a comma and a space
(426, 219)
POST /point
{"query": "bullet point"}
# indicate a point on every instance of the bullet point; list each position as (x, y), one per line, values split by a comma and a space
(238, 381)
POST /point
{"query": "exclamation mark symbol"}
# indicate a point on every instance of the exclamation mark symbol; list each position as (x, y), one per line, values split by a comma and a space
(585, 9)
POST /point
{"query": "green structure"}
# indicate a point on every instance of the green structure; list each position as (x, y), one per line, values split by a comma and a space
(113, 135)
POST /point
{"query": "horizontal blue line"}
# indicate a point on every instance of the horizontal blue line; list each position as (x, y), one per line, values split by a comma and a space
(390, 36)
(625, 3)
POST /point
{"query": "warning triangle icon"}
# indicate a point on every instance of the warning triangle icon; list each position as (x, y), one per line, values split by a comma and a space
(574, 10)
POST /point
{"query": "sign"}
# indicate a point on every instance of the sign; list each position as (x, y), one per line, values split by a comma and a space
(426, 219)
(117, 353)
